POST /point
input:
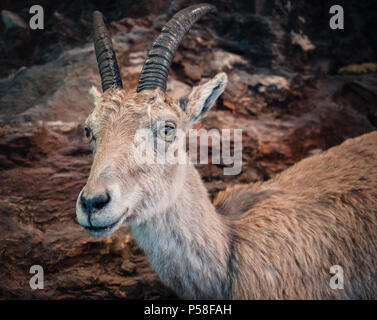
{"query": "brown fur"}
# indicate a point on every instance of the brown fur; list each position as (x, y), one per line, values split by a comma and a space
(319, 213)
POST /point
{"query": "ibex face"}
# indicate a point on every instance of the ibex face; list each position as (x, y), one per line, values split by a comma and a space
(121, 189)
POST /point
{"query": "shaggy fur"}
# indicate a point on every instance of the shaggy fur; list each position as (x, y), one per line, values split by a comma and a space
(289, 231)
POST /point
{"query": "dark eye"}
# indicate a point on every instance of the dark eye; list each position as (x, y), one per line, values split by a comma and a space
(89, 134)
(167, 131)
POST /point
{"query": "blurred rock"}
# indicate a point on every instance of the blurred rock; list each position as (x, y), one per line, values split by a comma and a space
(12, 20)
(367, 67)
(221, 60)
(193, 71)
(302, 41)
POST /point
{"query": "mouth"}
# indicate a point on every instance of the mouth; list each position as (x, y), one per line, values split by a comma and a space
(107, 229)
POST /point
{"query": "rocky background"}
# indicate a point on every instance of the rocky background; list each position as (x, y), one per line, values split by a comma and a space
(296, 88)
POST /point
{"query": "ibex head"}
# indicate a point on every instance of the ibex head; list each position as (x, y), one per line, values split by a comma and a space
(119, 189)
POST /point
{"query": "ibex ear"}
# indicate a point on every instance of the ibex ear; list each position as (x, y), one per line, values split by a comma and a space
(203, 97)
(95, 94)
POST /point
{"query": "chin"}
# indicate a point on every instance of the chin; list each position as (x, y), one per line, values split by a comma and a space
(97, 229)
(102, 231)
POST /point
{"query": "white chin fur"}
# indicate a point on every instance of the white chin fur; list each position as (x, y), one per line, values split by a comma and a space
(106, 231)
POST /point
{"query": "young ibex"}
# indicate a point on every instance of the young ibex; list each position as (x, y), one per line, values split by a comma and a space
(272, 240)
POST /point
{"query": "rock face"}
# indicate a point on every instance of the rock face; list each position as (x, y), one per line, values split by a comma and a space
(290, 103)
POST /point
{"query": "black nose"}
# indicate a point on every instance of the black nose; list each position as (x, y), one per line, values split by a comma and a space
(95, 203)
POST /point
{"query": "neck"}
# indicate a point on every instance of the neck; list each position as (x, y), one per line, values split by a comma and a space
(187, 243)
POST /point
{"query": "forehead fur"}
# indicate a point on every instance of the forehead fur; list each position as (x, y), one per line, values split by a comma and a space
(117, 105)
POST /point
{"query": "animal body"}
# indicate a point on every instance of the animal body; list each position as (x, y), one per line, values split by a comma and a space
(278, 239)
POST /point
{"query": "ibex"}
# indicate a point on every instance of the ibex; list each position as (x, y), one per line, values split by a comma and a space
(287, 238)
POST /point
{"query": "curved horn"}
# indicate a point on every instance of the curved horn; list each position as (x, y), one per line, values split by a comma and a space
(156, 67)
(107, 62)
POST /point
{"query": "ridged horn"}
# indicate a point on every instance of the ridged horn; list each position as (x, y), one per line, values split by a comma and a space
(156, 67)
(107, 62)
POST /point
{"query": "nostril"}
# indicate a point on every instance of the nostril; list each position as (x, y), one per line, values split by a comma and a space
(101, 201)
(84, 202)
(95, 203)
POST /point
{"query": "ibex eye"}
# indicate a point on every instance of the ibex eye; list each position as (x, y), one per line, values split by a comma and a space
(89, 134)
(167, 131)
